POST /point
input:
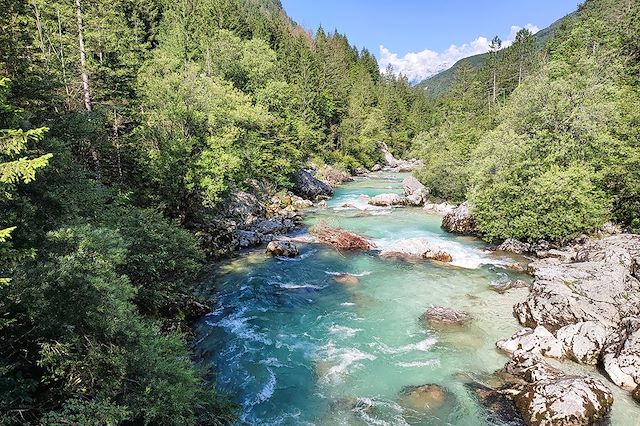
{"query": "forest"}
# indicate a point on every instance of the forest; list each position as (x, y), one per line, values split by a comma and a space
(126, 124)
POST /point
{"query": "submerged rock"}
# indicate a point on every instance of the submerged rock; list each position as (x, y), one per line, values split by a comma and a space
(346, 279)
(307, 186)
(459, 220)
(583, 341)
(282, 248)
(538, 341)
(503, 286)
(415, 192)
(416, 248)
(500, 408)
(621, 354)
(425, 397)
(386, 200)
(439, 316)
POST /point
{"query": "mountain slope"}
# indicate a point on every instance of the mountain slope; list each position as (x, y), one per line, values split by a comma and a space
(436, 85)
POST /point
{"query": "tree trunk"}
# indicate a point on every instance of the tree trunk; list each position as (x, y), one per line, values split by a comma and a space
(83, 59)
(63, 63)
(494, 85)
(41, 35)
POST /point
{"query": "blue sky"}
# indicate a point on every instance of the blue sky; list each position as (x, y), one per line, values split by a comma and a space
(420, 38)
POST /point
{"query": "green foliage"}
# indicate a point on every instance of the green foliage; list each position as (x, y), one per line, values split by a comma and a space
(556, 153)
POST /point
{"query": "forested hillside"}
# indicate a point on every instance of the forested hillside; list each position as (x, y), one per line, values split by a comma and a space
(124, 125)
(545, 145)
(435, 86)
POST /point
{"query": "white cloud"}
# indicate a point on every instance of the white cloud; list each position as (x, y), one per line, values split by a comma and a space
(420, 65)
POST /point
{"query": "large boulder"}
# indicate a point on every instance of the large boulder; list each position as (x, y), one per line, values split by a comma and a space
(546, 396)
(439, 208)
(441, 317)
(621, 354)
(416, 248)
(334, 176)
(583, 341)
(459, 220)
(565, 400)
(385, 200)
(564, 294)
(340, 238)
(514, 246)
(307, 186)
(415, 192)
(538, 341)
(282, 248)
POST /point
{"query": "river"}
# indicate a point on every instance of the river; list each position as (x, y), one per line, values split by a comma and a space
(293, 346)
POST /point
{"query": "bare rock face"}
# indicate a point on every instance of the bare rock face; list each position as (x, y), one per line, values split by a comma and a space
(307, 186)
(415, 192)
(583, 341)
(416, 248)
(282, 248)
(244, 207)
(636, 393)
(548, 397)
(514, 246)
(564, 294)
(538, 341)
(621, 249)
(621, 354)
(385, 200)
(459, 220)
(441, 317)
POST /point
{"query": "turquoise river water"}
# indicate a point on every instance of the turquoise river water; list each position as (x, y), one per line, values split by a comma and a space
(294, 347)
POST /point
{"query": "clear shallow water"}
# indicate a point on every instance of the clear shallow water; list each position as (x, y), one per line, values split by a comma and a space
(293, 346)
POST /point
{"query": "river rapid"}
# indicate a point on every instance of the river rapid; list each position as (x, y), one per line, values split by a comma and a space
(292, 346)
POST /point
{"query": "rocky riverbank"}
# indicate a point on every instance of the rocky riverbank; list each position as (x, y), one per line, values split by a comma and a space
(583, 306)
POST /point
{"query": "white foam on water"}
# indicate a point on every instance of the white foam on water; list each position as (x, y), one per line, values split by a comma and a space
(462, 256)
(290, 286)
(415, 364)
(299, 258)
(268, 389)
(347, 304)
(343, 360)
(271, 362)
(238, 325)
(421, 346)
(342, 331)
(361, 274)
